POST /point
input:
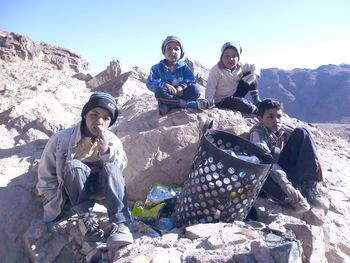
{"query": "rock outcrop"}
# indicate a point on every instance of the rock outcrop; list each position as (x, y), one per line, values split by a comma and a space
(18, 47)
(39, 99)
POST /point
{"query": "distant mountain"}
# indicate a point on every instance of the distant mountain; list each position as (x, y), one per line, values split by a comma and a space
(319, 95)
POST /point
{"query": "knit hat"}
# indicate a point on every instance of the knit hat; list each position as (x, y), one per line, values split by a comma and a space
(231, 44)
(173, 39)
(102, 100)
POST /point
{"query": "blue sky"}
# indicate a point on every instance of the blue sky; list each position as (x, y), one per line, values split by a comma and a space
(285, 34)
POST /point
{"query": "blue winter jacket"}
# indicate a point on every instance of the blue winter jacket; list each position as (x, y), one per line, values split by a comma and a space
(160, 75)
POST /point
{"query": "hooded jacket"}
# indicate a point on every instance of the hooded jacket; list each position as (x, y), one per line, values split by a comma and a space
(161, 75)
(223, 82)
(60, 148)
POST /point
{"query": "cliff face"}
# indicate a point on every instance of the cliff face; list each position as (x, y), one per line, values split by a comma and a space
(38, 98)
(320, 95)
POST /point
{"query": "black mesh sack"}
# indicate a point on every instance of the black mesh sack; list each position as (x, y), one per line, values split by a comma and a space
(221, 187)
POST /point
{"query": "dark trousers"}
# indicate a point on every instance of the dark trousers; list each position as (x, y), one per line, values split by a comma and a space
(190, 93)
(299, 159)
(237, 102)
(84, 185)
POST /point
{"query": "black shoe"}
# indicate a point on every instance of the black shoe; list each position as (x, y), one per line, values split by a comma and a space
(90, 228)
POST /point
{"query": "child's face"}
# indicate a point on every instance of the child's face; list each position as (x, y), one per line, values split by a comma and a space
(272, 119)
(172, 52)
(97, 121)
(230, 58)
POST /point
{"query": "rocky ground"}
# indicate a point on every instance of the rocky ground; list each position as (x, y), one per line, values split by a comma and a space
(39, 98)
(341, 130)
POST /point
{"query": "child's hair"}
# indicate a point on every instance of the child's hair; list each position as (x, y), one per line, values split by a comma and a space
(267, 104)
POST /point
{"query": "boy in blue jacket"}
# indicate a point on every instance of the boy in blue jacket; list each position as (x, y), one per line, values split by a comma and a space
(172, 81)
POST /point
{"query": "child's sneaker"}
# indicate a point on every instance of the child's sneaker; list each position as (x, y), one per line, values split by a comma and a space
(199, 104)
(203, 104)
(90, 229)
(119, 236)
(302, 206)
(314, 197)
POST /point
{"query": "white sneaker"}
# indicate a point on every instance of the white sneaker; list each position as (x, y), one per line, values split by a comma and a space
(302, 206)
(119, 236)
(315, 198)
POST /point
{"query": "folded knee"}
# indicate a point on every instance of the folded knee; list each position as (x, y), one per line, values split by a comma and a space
(75, 167)
(110, 169)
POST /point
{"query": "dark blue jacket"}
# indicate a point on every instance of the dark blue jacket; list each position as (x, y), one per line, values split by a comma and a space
(160, 75)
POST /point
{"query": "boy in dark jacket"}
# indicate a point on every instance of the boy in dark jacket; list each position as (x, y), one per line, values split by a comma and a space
(296, 169)
(172, 81)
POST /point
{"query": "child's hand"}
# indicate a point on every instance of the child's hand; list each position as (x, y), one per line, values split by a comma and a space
(102, 140)
(293, 195)
(172, 90)
(249, 79)
(179, 91)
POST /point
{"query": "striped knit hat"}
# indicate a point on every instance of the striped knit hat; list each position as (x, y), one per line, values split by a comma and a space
(102, 100)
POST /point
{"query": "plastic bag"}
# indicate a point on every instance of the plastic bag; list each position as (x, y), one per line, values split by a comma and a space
(142, 212)
(160, 193)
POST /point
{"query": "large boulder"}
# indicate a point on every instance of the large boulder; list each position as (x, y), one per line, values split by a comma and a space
(161, 149)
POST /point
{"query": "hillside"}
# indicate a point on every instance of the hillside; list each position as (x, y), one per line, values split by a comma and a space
(40, 96)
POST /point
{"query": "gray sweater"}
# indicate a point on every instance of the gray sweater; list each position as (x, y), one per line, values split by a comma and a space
(60, 148)
(272, 142)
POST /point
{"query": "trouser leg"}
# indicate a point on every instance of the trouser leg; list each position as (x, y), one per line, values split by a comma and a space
(299, 158)
(163, 96)
(236, 104)
(76, 183)
(243, 88)
(113, 187)
(192, 92)
(273, 190)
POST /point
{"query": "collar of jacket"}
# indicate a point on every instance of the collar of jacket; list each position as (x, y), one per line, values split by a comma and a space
(278, 133)
(179, 63)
